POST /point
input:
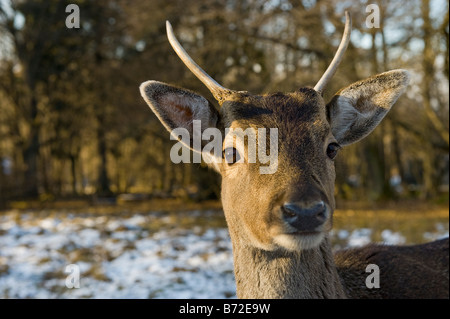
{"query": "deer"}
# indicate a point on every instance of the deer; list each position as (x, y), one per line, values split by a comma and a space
(279, 223)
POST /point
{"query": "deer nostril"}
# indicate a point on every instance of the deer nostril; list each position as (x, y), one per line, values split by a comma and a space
(321, 210)
(321, 214)
(289, 211)
(305, 219)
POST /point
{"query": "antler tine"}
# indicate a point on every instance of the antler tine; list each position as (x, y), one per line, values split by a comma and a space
(219, 92)
(331, 70)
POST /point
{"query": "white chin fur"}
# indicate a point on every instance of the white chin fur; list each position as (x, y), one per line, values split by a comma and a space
(297, 243)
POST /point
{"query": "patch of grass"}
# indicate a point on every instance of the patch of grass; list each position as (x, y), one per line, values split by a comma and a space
(183, 269)
(178, 280)
(83, 205)
(96, 272)
(411, 223)
(57, 274)
(4, 269)
(154, 294)
(129, 246)
(229, 294)
(89, 255)
(44, 260)
(19, 205)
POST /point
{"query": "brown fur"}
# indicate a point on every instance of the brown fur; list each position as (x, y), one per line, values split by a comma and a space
(419, 271)
(269, 261)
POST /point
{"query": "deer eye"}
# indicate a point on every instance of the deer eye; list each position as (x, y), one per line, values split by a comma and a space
(332, 150)
(231, 155)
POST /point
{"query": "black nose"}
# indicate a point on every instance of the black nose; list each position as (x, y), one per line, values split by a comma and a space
(305, 219)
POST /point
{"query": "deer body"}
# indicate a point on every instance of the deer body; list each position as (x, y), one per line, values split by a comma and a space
(279, 222)
(416, 272)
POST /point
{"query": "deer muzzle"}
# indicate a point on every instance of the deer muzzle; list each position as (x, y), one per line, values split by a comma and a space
(305, 219)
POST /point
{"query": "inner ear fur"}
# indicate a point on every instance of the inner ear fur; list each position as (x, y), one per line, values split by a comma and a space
(176, 107)
(356, 110)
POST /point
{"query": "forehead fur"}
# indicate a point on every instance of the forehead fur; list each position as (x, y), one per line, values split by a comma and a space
(300, 118)
(285, 111)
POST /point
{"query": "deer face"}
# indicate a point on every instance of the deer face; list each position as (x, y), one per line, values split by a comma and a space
(290, 208)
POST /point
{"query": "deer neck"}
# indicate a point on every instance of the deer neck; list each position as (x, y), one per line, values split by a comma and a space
(283, 274)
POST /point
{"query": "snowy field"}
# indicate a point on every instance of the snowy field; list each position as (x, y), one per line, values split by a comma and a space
(146, 255)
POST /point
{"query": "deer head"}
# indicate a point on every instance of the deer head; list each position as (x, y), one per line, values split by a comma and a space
(290, 209)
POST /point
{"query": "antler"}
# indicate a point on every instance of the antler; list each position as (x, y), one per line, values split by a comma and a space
(218, 91)
(326, 77)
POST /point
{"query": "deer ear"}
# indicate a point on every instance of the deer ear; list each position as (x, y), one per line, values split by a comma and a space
(178, 108)
(356, 110)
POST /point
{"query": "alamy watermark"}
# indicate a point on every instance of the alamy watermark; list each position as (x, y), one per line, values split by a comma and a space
(250, 144)
(73, 19)
(373, 19)
(73, 279)
(373, 280)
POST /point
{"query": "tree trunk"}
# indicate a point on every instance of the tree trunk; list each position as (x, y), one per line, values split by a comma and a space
(396, 149)
(428, 73)
(168, 176)
(31, 154)
(73, 170)
(375, 179)
(103, 180)
(378, 168)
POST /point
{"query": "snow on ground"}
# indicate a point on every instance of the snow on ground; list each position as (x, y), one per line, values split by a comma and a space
(139, 256)
(116, 258)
